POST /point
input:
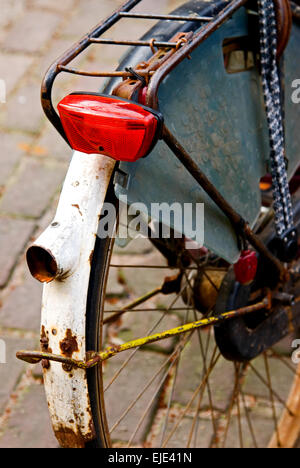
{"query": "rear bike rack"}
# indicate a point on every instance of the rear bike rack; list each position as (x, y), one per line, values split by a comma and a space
(208, 25)
(182, 49)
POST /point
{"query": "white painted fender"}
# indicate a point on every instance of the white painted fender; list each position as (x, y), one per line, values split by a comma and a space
(64, 299)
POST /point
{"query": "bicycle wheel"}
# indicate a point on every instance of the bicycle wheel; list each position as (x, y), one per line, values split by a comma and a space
(180, 392)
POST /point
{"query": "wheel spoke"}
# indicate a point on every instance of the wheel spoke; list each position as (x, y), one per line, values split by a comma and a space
(178, 349)
(160, 309)
(238, 406)
(272, 399)
(159, 388)
(141, 300)
(270, 388)
(194, 424)
(248, 417)
(282, 359)
(231, 405)
(198, 389)
(136, 349)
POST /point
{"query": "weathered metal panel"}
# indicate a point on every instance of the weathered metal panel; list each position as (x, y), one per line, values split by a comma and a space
(220, 119)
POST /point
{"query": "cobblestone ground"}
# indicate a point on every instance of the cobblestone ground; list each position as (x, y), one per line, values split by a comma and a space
(34, 160)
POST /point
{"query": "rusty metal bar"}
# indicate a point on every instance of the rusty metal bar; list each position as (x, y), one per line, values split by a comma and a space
(239, 224)
(158, 44)
(131, 306)
(93, 359)
(166, 17)
(116, 74)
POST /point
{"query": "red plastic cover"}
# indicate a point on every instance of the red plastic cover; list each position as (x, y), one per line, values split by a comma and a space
(121, 129)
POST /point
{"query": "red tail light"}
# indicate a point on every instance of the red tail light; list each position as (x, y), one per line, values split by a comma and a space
(118, 128)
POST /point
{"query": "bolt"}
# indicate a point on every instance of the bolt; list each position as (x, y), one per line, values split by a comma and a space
(67, 367)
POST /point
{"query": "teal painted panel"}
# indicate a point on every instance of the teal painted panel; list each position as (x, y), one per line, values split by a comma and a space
(220, 120)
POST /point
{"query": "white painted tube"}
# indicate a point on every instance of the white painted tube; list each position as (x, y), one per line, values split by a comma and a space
(56, 253)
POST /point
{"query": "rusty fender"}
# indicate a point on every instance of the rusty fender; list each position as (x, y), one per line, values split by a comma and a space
(60, 258)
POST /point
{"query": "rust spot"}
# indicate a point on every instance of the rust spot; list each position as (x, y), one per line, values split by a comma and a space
(46, 364)
(78, 208)
(115, 348)
(44, 340)
(68, 438)
(45, 348)
(69, 344)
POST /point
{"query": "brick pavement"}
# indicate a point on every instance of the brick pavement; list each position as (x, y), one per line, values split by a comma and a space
(34, 160)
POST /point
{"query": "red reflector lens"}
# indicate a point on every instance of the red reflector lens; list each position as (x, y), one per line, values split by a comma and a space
(246, 268)
(121, 129)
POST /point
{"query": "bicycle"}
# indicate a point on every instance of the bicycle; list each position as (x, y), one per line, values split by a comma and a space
(223, 323)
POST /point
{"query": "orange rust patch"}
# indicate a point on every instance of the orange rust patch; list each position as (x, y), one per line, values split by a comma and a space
(69, 344)
(68, 438)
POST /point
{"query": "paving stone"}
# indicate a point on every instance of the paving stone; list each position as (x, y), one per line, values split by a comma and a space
(181, 436)
(53, 145)
(29, 425)
(56, 48)
(56, 5)
(128, 385)
(191, 372)
(35, 185)
(281, 379)
(12, 370)
(23, 110)
(12, 68)
(10, 10)
(14, 235)
(139, 280)
(86, 16)
(13, 148)
(22, 307)
(263, 429)
(32, 31)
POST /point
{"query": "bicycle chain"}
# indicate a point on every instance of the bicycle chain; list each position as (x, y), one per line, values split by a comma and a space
(284, 218)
